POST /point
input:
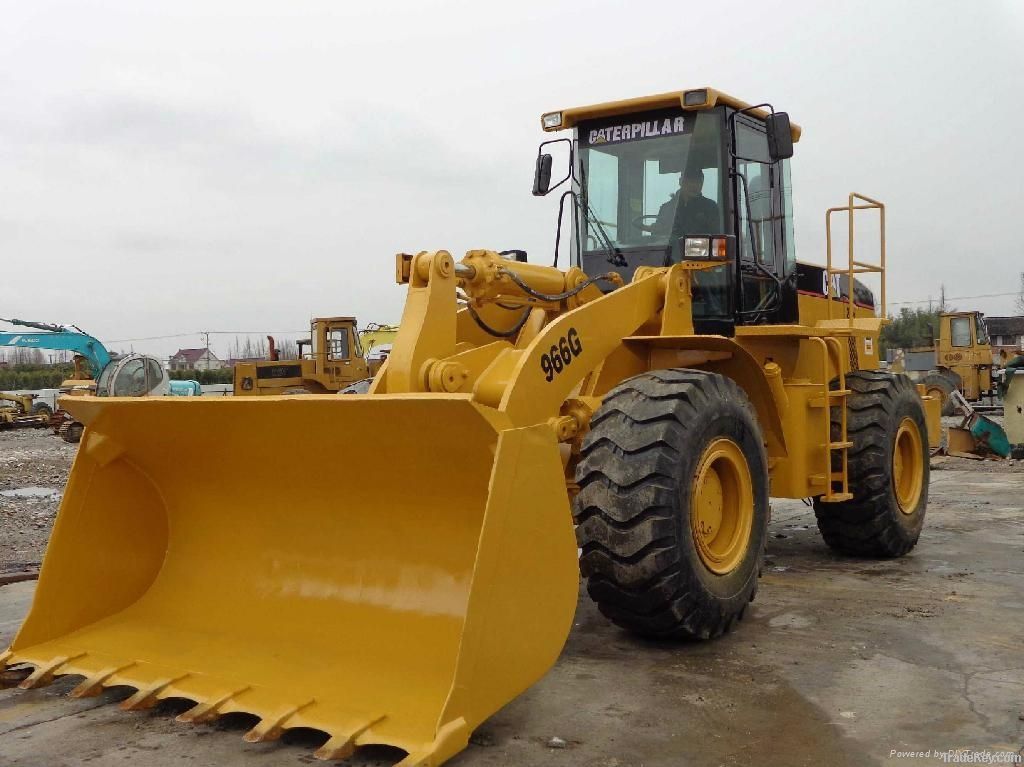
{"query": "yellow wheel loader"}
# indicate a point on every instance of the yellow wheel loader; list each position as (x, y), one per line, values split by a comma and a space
(959, 360)
(335, 361)
(653, 396)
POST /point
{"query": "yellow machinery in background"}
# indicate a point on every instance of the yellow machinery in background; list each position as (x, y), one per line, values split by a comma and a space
(960, 360)
(683, 369)
(23, 411)
(339, 355)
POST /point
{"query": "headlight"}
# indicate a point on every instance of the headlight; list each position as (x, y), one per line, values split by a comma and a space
(551, 120)
(704, 248)
(695, 98)
(696, 248)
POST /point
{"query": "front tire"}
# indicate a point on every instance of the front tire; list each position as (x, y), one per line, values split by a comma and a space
(939, 385)
(888, 469)
(672, 512)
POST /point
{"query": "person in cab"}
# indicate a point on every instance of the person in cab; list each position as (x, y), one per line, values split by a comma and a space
(688, 211)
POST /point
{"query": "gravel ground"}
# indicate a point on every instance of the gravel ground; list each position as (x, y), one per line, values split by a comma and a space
(29, 459)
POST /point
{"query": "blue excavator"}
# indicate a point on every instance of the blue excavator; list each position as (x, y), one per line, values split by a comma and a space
(132, 375)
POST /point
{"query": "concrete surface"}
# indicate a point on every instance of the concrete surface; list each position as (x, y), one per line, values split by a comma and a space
(839, 662)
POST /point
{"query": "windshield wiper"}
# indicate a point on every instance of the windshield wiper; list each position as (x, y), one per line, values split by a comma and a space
(614, 257)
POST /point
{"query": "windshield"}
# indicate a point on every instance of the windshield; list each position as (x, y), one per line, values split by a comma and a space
(130, 380)
(650, 179)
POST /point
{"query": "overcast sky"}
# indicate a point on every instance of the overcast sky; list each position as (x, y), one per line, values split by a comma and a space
(242, 166)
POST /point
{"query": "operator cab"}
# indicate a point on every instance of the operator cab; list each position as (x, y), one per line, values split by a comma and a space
(692, 175)
(134, 375)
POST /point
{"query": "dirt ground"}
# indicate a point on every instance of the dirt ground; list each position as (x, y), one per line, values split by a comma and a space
(34, 465)
(839, 662)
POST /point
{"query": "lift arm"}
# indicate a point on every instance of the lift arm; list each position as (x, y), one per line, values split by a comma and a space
(578, 328)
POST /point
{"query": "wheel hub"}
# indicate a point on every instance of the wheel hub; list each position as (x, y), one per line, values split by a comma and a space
(722, 506)
(907, 466)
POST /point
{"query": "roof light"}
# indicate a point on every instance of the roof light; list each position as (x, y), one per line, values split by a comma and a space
(695, 98)
(551, 120)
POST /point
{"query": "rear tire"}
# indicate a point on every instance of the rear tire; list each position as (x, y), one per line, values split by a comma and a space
(41, 407)
(655, 562)
(943, 387)
(888, 469)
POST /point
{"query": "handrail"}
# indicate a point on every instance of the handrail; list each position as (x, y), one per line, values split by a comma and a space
(854, 266)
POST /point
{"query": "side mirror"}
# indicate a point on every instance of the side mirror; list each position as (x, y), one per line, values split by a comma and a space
(780, 137)
(542, 175)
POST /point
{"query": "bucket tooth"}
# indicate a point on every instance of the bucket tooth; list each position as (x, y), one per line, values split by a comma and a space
(451, 739)
(93, 684)
(148, 696)
(44, 674)
(343, 746)
(273, 727)
(207, 712)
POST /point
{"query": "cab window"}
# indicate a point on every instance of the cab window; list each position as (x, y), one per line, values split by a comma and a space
(156, 374)
(754, 195)
(649, 180)
(960, 331)
(131, 379)
(980, 330)
(337, 344)
(788, 236)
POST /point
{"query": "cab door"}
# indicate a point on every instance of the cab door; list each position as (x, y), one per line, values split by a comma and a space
(763, 215)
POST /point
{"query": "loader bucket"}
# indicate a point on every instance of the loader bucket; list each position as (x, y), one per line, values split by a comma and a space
(389, 569)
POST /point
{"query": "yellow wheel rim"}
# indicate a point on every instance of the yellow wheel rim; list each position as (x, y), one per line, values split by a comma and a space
(907, 466)
(938, 393)
(722, 506)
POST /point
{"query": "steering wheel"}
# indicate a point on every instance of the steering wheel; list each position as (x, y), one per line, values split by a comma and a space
(638, 222)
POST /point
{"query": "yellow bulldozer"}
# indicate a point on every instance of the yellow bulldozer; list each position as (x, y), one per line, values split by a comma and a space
(653, 396)
(335, 360)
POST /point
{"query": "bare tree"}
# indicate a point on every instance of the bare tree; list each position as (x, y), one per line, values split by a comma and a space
(1019, 303)
(288, 349)
(247, 349)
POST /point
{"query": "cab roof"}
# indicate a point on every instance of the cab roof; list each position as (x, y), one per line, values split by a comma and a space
(711, 98)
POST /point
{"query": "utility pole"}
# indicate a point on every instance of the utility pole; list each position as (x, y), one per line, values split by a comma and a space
(206, 338)
(942, 300)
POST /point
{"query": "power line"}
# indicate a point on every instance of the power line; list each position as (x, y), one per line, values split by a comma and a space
(954, 298)
(212, 333)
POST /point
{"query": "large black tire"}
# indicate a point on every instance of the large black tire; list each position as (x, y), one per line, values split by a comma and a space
(41, 407)
(636, 473)
(937, 383)
(873, 523)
